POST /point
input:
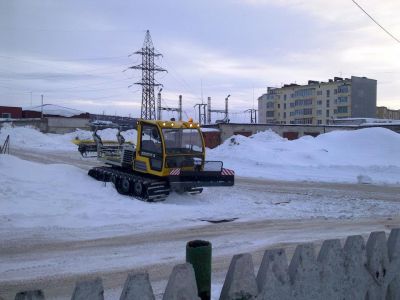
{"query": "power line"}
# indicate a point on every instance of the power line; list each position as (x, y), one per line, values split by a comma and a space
(376, 22)
(67, 59)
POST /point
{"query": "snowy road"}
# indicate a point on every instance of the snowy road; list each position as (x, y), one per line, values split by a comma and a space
(271, 213)
(47, 261)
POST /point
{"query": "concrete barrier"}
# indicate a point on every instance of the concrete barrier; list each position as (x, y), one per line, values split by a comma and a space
(358, 270)
(89, 289)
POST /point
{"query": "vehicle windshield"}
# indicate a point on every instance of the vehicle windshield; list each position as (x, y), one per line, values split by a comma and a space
(182, 141)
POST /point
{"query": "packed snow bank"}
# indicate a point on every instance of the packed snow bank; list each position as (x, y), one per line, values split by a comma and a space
(30, 138)
(368, 155)
(38, 195)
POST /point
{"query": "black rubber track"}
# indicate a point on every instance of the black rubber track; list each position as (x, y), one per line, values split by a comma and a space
(153, 190)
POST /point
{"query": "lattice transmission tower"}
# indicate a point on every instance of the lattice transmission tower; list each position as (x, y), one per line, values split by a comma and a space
(149, 69)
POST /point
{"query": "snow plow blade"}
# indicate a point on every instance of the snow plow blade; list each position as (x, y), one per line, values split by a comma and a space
(181, 179)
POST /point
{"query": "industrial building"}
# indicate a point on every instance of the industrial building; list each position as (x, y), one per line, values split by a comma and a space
(10, 112)
(47, 118)
(317, 103)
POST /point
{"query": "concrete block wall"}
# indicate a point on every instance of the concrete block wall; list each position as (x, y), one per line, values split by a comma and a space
(356, 270)
(227, 130)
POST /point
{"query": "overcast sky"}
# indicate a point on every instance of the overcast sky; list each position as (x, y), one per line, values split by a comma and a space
(74, 52)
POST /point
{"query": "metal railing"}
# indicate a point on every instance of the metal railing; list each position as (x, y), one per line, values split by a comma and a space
(5, 149)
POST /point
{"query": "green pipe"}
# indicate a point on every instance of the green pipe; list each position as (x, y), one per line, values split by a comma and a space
(198, 253)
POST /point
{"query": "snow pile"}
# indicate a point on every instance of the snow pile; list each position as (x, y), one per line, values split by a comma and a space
(365, 156)
(39, 195)
(30, 138)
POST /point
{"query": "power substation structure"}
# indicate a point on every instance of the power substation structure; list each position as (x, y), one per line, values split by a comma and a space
(160, 108)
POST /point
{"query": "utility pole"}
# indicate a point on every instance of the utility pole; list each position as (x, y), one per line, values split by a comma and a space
(161, 108)
(253, 119)
(159, 105)
(180, 107)
(226, 107)
(149, 69)
(209, 110)
(202, 113)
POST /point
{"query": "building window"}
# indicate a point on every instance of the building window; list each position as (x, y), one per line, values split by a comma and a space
(301, 112)
(342, 99)
(319, 122)
(6, 115)
(308, 111)
(327, 113)
(327, 103)
(270, 104)
(284, 105)
(328, 93)
(284, 114)
(342, 109)
(343, 89)
(279, 106)
(270, 114)
(319, 112)
(303, 121)
(335, 91)
(319, 102)
(302, 102)
(303, 92)
(284, 97)
(319, 93)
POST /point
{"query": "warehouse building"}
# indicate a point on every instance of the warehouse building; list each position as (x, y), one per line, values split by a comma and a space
(10, 112)
(47, 118)
(317, 103)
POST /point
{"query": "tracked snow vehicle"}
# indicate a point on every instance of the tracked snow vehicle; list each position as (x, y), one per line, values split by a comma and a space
(168, 156)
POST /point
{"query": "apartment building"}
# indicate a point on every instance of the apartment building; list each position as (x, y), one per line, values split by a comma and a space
(318, 102)
(382, 112)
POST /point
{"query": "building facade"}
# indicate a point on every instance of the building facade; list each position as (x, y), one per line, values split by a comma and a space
(317, 103)
(382, 112)
(10, 112)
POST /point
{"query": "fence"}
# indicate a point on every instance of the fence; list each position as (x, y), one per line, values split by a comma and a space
(356, 271)
(6, 146)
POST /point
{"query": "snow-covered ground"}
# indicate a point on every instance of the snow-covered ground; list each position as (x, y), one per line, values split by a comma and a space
(35, 195)
(58, 222)
(63, 195)
(368, 155)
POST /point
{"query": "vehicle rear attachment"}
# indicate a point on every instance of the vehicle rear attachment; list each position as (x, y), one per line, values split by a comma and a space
(211, 173)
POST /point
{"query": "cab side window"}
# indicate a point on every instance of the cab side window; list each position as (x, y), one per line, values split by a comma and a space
(151, 140)
(151, 146)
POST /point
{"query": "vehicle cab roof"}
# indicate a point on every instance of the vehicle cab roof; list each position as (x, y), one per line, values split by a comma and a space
(172, 124)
